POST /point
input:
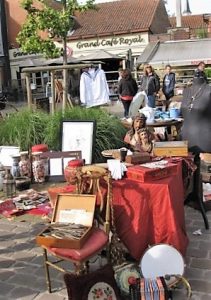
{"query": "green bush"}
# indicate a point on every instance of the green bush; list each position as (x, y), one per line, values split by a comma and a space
(26, 128)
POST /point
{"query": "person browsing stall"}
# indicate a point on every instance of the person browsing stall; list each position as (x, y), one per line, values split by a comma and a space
(169, 80)
(127, 90)
(199, 72)
(150, 83)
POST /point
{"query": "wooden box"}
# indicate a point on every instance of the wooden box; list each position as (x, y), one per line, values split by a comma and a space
(137, 158)
(171, 148)
(143, 174)
(73, 209)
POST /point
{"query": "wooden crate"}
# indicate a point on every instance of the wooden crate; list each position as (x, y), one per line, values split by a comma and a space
(171, 148)
(66, 203)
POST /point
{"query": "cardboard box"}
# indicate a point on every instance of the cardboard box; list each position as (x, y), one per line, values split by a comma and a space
(70, 208)
(143, 174)
(171, 148)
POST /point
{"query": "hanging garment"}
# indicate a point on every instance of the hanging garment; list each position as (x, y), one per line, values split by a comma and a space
(94, 89)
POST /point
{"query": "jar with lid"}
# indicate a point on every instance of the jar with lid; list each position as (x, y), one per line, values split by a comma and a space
(15, 169)
(70, 171)
(25, 164)
(38, 167)
(42, 148)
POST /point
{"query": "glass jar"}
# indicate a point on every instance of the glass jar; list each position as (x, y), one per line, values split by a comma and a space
(25, 164)
(15, 169)
(70, 171)
(38, 167)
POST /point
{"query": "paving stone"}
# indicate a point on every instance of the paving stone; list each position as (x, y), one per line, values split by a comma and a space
(206, 297)
(6, 244)
(5, 289)
(5, 274)
(193, 252)
(201, 286)
(23, 280)
(49, 297)
(23, 293)
(201, 263)
(193, 273)
(23, 255)
(6, 263)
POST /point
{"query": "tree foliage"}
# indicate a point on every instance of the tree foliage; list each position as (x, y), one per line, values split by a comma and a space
(44, 23)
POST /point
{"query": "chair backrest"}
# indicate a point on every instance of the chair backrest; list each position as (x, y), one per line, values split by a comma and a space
(97, 180)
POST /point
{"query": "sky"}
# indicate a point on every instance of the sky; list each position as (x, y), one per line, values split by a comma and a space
(196, 6)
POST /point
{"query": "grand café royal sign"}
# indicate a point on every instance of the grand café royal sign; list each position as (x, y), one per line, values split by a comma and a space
(110, 42)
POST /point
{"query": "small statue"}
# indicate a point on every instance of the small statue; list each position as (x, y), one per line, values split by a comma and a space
(145, 143)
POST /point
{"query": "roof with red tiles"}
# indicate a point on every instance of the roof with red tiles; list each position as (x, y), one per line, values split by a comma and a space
(121, 17)
(190, 21)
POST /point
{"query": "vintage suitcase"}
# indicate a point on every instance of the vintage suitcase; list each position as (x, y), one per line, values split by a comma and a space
(71, 222)
(171, 148)
(143, 174)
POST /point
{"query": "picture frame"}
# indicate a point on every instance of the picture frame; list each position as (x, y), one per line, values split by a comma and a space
(79, 136)
(57, 161)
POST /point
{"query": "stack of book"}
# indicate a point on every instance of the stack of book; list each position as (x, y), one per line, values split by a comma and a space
(149, 289)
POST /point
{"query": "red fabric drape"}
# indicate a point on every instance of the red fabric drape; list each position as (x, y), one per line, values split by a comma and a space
(150, 213)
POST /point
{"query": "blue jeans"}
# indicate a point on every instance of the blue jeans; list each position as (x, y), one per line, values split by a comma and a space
(151, 101)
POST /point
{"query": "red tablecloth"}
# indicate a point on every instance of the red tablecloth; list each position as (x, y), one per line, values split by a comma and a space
(150, 213)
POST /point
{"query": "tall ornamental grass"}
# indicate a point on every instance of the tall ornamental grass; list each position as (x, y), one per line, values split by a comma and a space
(27, 128)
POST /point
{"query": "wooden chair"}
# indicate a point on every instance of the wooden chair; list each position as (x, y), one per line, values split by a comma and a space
(88, 182)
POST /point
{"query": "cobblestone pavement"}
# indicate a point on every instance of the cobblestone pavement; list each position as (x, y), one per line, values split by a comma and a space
(21, 262)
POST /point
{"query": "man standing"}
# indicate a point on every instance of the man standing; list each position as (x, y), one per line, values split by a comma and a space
(168, 84)
(199, 72)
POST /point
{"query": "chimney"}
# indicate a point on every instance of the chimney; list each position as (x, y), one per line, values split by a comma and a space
(187, 10)
(178, 14)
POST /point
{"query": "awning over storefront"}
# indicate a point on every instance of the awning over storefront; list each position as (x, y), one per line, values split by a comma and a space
(36, 62)
(177, 53)
(99, 54)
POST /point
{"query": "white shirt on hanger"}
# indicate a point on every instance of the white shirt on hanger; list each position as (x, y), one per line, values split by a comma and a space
(94, 89)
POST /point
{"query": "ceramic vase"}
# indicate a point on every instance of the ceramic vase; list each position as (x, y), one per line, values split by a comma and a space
(38, 168)
(71, 170)
(25, 164)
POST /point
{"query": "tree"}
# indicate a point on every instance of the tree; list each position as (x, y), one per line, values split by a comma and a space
(44, 23)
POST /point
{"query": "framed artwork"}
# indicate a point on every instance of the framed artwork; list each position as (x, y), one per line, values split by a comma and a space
(79, 136)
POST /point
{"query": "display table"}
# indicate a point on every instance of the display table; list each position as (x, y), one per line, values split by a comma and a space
(150, 213)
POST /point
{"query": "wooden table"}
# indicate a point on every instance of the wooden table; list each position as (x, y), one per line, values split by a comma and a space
(166, 123)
